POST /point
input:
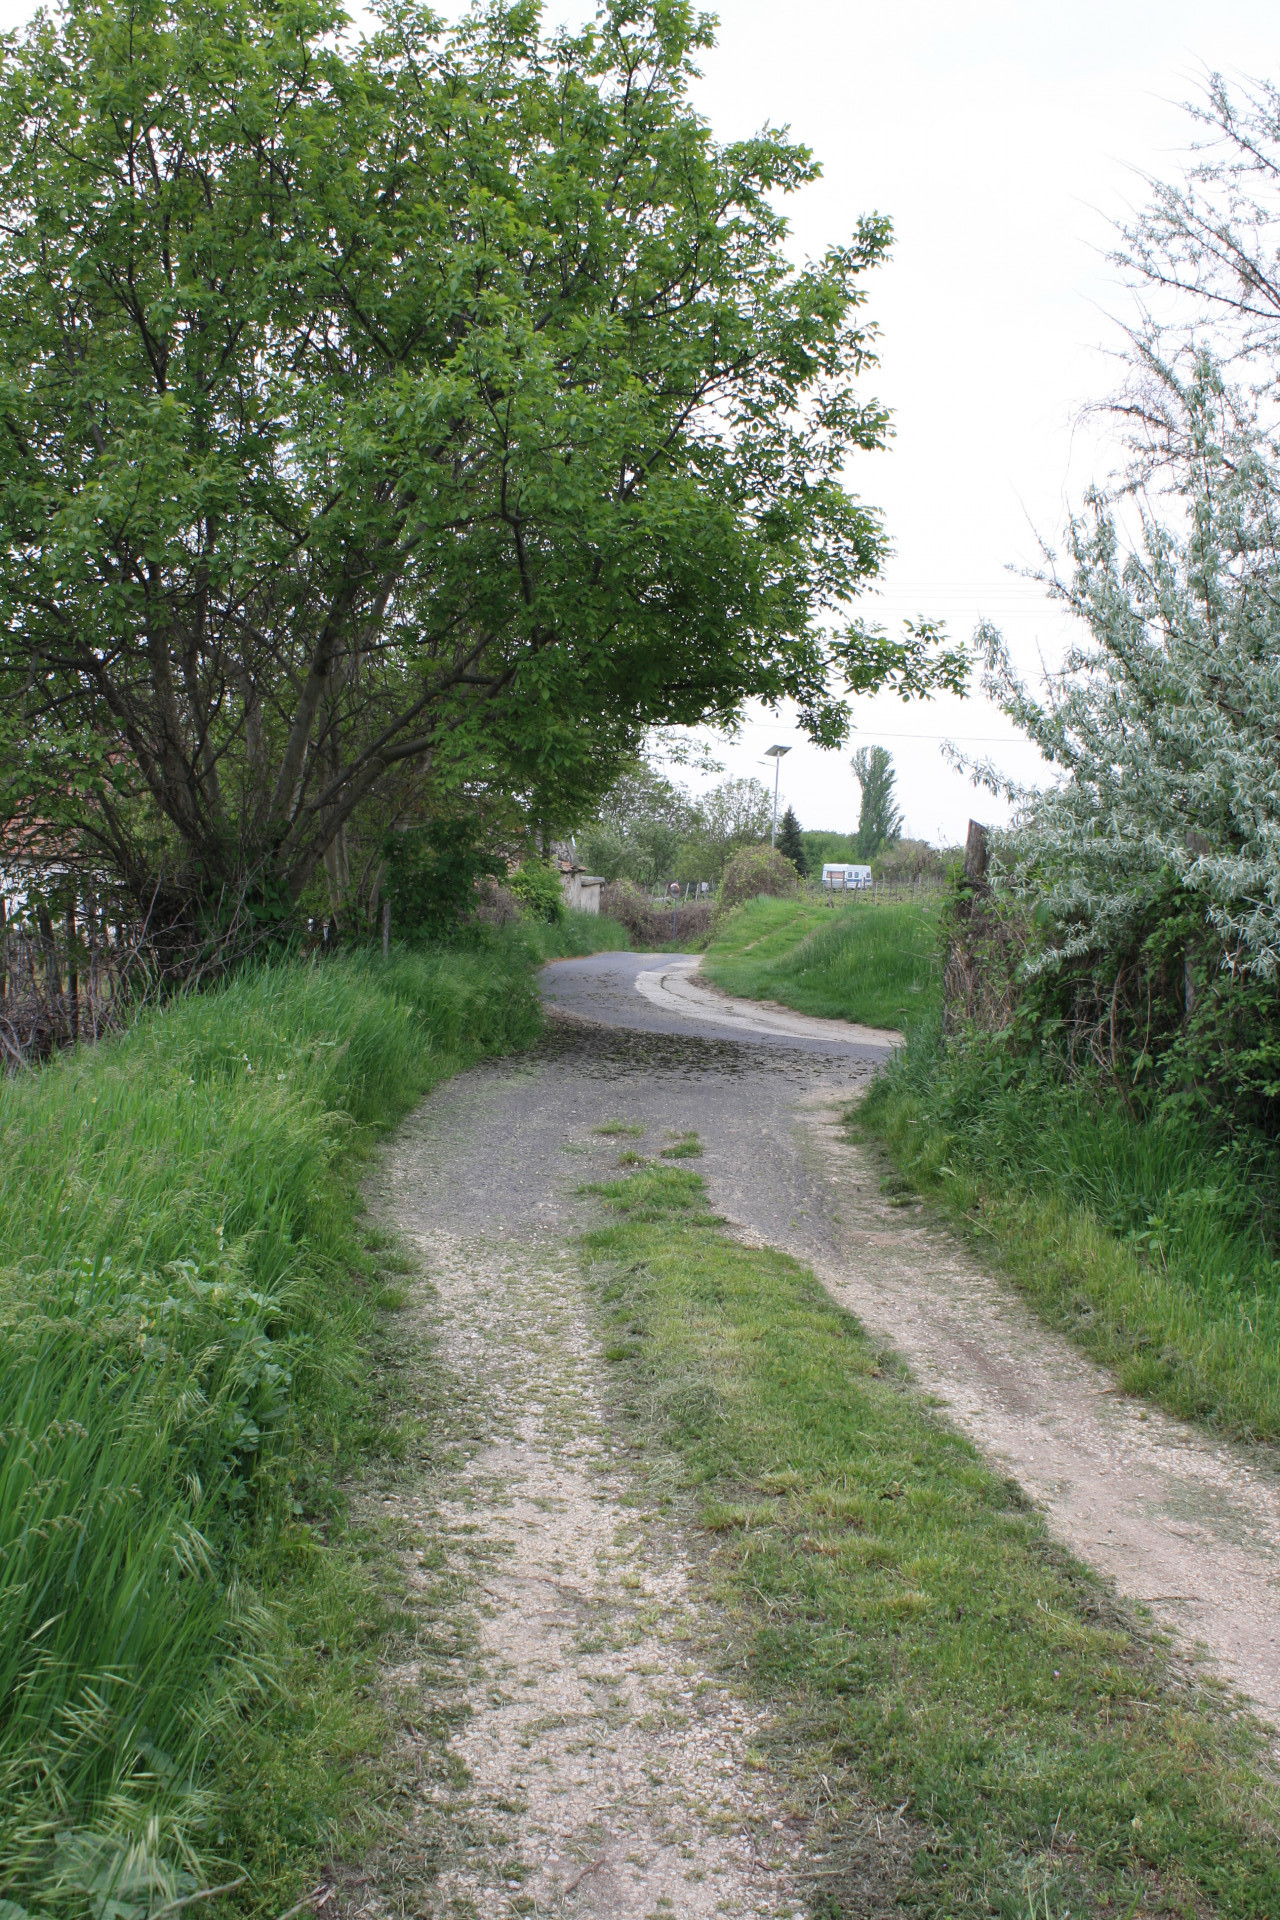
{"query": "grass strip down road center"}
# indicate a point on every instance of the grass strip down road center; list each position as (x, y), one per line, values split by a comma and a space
(922, 1639)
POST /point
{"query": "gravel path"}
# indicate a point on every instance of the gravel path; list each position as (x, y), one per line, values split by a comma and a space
(1188, 1526)
(602, 1769)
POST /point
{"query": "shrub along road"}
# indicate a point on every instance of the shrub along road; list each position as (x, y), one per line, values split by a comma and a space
(756, 1630)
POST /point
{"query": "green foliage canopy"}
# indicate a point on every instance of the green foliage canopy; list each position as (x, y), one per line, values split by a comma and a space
(430, 874)
(403, 415)
(537, 884)
(651, 829)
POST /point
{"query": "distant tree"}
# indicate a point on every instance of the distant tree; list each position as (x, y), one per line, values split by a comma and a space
(821, 847)
(791, 843)
(736, 813)
(642, 795)
(879, 821)
(643, 821)
(733, 815)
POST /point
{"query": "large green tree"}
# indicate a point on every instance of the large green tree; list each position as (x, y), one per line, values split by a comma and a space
(395, 422)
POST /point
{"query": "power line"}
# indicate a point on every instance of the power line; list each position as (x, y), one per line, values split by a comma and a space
(883, 733)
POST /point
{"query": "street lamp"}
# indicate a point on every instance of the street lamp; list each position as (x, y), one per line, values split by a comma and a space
(775, 754)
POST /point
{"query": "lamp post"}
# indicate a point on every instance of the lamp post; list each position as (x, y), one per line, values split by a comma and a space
(775, 754)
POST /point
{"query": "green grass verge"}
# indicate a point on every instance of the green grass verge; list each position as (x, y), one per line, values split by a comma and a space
(924, 1641)
(1146, 1241)
(185, 1309)
(874, 963)
(575, 935)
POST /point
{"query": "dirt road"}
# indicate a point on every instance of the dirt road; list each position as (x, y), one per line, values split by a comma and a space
(593, 1698)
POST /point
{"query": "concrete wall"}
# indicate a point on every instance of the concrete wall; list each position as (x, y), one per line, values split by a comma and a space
(582, 891)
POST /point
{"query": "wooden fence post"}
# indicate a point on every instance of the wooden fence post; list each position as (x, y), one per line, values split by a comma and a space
(73, 973)
(976, 854)
(386, 928)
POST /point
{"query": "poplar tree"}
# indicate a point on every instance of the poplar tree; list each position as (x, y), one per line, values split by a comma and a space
(879, 821)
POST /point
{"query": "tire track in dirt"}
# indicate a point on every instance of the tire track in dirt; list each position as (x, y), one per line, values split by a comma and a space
(1187, 1526)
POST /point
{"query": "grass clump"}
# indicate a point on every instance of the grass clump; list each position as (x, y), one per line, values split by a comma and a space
(574, 935)
(184, 1305)
(1150, 1241)
(684, 1146)
(925, 1643)
(876, 963)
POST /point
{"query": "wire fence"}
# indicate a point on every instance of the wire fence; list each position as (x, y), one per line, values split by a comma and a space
(65, 980)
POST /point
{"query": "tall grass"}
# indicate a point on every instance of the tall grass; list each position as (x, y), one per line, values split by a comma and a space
(875, 963)
(575, 935)
(1150, 1240)
(179, 1336)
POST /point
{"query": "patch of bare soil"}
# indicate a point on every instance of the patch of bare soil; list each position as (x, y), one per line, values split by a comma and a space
(595, 1767)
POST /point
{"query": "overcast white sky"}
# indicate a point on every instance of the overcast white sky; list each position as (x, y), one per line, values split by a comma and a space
(1001, 136)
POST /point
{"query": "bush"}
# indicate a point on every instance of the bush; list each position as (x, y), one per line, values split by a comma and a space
(752, 872)
(431, 875)
(537, 886)
(650, 925)
(909, 860)
(494, 905)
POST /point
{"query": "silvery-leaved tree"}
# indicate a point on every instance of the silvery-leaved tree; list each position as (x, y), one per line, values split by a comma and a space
(1163, 724)
(1164, 721)
(392, 422)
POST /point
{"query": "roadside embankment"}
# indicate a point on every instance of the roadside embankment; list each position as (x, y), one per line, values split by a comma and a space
(185, 1302)
(1148, 1239)
(874, 963)
(1147, 1236)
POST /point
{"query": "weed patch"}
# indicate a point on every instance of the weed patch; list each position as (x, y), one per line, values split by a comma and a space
(573, 935)
(923, 1640)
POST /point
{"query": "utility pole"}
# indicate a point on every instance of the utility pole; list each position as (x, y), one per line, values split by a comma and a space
(775, 754)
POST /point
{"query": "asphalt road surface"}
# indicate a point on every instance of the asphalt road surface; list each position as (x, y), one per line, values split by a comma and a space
(661, 993)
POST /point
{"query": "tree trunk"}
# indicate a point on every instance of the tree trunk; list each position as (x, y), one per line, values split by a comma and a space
(53, 979)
